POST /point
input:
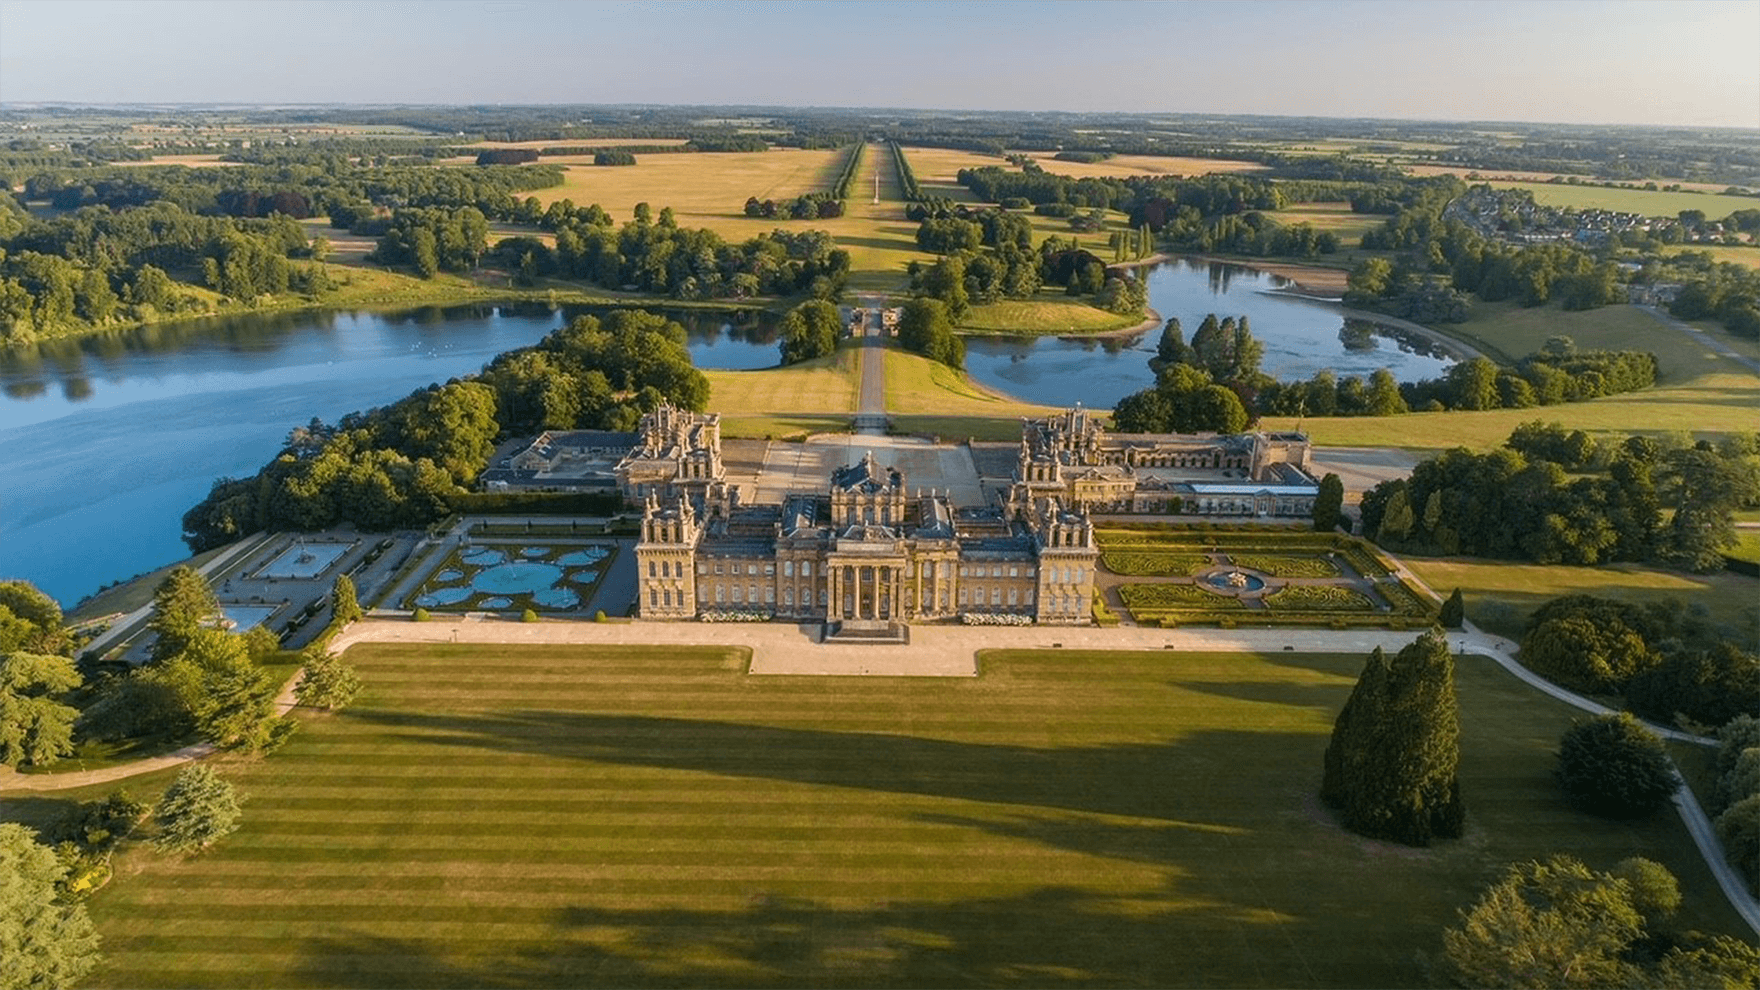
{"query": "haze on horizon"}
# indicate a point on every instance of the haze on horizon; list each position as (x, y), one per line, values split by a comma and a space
(1675, 63)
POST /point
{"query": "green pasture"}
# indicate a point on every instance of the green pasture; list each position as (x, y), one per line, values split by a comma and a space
(1641, 201)
(569, 816)
(1048, 312)
(1699, 392)
(1500, 595)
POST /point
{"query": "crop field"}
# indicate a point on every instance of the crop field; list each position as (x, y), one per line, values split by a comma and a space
(1334, 217)
(1700, 392)
(1500, 595)
(561, 816)
(1735, 254)
(811, 397)
(923, 396)
(1506, 175)
(1640, 201)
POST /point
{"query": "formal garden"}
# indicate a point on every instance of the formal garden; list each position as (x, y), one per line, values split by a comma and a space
(1200, 574)
(499, 577)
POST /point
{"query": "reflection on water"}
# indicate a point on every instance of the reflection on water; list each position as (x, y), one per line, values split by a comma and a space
(1301, 337)
(106, 440)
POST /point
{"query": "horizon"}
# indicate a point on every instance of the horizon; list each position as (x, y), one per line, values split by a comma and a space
(1502, 61)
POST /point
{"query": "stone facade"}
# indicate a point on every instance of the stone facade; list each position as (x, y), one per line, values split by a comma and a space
(1072, 458)
(866, 553)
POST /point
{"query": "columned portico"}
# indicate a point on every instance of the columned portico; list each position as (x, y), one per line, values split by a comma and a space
(867, 591)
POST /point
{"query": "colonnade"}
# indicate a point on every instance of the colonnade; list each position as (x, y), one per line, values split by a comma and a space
(874, 591)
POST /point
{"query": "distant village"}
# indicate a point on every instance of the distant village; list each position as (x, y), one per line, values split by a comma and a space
(1512, 215)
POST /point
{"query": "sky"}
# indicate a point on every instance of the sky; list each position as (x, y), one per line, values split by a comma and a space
(1680, 62)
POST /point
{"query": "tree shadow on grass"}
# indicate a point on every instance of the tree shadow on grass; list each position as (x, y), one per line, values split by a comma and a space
(1047, 937)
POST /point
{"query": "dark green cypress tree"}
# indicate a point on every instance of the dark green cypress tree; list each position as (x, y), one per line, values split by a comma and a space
(1344, 754)
(1395, 774)
(1454, 611)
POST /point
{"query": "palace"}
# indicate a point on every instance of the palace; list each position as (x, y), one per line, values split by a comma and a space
(867, 552)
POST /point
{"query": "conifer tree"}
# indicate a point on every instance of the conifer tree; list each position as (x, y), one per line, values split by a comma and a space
(1391, 769)
(345, 604)
(181, 604)
(1454, 611)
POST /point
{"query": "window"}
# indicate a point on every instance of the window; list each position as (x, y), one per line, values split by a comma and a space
(823, 597)
(650, 568)
(752, 593)
(788, 597)
(752, 570)
(769, 570)
(769, 595)
(702, 567)
(720, 593)
(1014, 596)
(737, 593)
(962, 596)
(962, 570)
(1014, 571)
(806, 568)
(996, 596)
(718, 568)
(653, 598)
(788, 568)
(666, 597)
(996, 571)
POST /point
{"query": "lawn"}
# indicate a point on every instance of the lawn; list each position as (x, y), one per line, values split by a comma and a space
(1700, 392)
(924, 396)
(1335, 217)
(1500, 595)
(811, 397)
(1048, 312)
(531, 816)
(1640, 201)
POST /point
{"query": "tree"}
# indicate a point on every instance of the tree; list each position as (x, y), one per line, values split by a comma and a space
(809, 331)
(182, 603)
(44, 941)
(345, 606)
(1614, 767)
(1709, 488)
(1171, 348)
(1586, 654)
(1454, 611)
(1391, 769)
(326, 682)
(34, 727)
(1655, 891)
(199, 808)
(1555, 924)
(1328, 503)
(30, 620)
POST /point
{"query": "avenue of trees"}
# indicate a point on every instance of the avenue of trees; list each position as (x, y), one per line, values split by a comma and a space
(1509, 504)
(401, 465)
(1392, 766)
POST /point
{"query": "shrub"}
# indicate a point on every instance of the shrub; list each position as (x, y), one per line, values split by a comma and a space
(1614, 767)
(420, 615)
(1319, 598)
(528, 616)
(1738, 828)
(599, 616)
(1286, 567)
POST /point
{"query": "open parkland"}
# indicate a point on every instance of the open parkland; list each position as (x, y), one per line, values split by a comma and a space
(573, 802)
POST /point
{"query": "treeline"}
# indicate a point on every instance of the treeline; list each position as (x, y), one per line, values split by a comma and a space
(988, 255)
(1667, 662)
(97, 267)
(807, 206)
(1726, 292)
(907, 179)
(614, 157)
(1226, 354)
(1516, 503)
(653, 254)
(402, 464)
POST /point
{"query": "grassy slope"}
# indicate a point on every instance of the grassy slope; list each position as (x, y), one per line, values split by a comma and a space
(1699, 391)
(554, 816)
(923, 396)
(810, 397)
(1500, 595)
(1048, 312)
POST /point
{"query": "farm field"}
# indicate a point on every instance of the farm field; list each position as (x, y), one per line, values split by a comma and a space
(538, 816)
(1500, 595)
(1700, 392)
(1640, 201)
(1504, 175)
(811, 397)
(1736, 254)
(924, 396)
(1334, 217)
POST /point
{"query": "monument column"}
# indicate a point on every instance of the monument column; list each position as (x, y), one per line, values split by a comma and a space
(834, 582)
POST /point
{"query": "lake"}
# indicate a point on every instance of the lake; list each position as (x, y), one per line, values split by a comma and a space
(106, 441)
(1301, 337)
